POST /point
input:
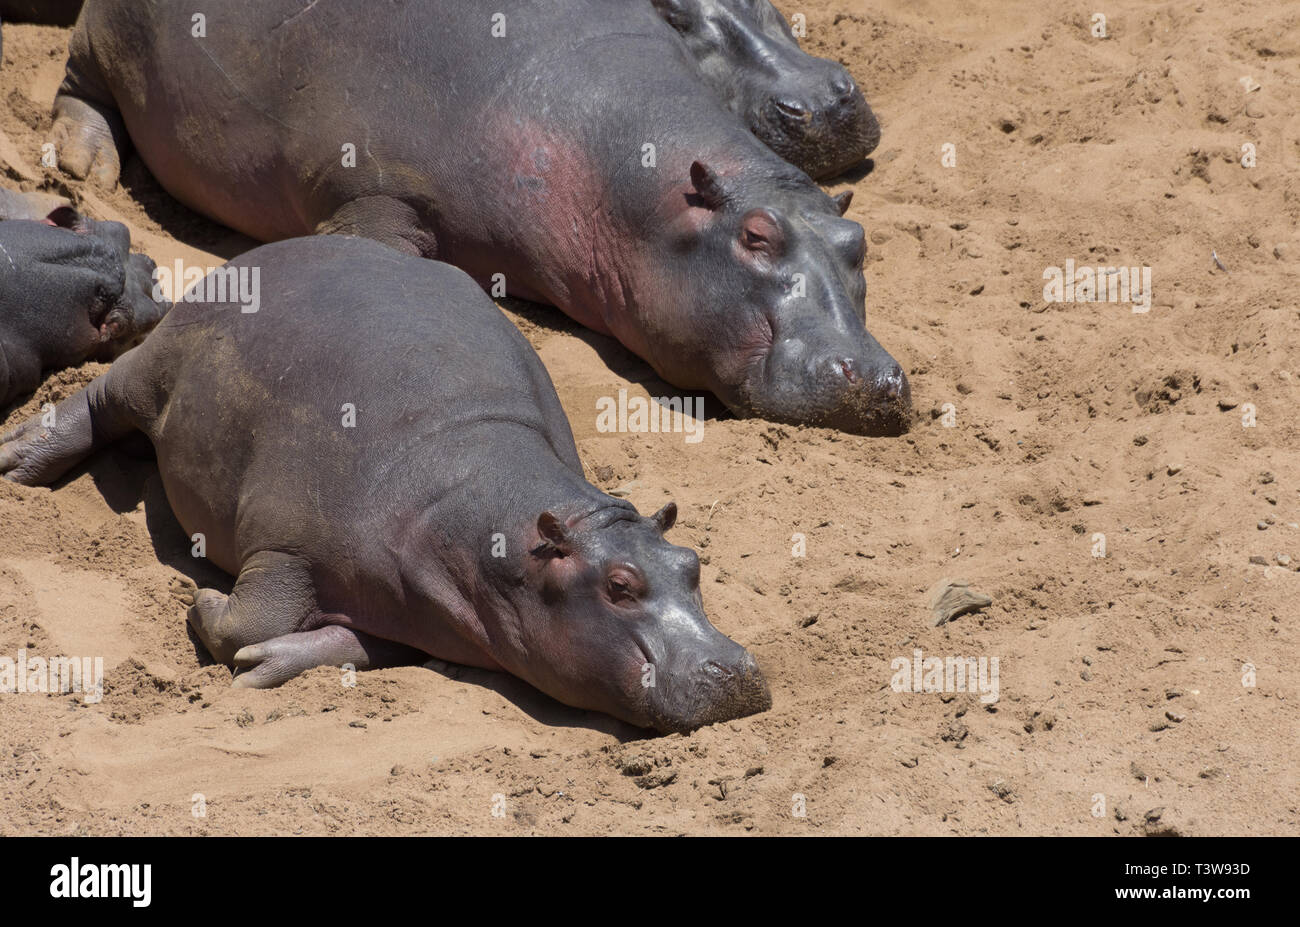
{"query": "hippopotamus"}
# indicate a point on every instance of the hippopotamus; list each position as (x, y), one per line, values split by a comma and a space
(567, 153)
(417, 495)
(809, 110)
(70, 291)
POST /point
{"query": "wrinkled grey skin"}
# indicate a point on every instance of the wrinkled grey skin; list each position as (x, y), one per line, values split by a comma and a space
(724, 267)
(809, 110)
(377, 544)
(70, 291)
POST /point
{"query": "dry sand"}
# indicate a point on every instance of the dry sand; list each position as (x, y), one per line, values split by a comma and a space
(1121, 677)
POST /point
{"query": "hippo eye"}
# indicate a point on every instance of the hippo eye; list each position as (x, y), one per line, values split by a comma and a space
(623, 586)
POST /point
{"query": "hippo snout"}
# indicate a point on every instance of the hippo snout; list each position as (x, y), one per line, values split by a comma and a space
(825, 128)
(726, 685)
(863, 397)
(856, 388)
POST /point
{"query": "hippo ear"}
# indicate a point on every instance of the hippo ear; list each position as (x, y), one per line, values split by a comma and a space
(666, 517)
(707, 185)
(554, 533)
(65, 217)
(842, 200)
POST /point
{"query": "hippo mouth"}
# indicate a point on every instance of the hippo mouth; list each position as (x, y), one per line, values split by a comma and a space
(829, 389)
(717, 692)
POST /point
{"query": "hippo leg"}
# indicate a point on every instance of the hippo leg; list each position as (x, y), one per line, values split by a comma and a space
(272, 597)
(255, 628)
(273, 662)
(88, 137)
(386, 220)
(36, 454)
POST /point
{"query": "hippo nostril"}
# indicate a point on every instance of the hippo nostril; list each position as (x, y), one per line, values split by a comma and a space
(717, 670)
(793, 110)
(842, 88)
(894, 382)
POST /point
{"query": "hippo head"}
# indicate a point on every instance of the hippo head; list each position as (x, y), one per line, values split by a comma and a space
(83, 270)
(625, 631)
(808, 110)
(765, 306)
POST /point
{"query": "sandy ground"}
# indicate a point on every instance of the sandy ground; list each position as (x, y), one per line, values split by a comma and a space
(1149, 691)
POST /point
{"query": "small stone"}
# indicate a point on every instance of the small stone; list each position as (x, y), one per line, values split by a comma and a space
(1136, 771)
(1259, 560)
(1153, 815)
(1173, 469)
(1175, 716)
(1262, 526)
(1227, 403)
(1003, 790)
(911, 762)
(1283, 559)
(950, 598)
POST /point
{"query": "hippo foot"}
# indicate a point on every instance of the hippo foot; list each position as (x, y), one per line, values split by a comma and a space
(37, 454)
(85, 135)
(274, 662)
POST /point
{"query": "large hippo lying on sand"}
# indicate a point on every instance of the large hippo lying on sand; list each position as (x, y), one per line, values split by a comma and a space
(451, 519)
(808, 110)
(70, 291)
(570, 150)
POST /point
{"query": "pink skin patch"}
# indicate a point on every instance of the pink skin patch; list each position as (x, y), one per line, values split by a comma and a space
(593, 270)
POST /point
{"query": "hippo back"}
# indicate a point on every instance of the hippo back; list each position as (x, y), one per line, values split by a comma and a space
(366, 384)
